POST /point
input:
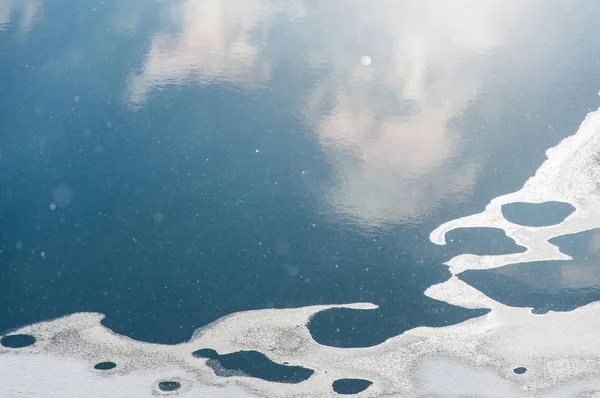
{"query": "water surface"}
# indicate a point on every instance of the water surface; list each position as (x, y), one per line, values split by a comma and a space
(170, 163)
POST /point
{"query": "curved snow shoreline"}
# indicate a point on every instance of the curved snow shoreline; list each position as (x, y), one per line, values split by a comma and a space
(476, 357)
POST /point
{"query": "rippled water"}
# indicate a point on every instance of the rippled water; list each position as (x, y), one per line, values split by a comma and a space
(168, 164)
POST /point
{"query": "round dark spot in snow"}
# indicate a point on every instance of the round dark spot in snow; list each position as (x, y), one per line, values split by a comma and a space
(169, 385)
(105, 365)
(520, 370)
(350, 386)
(17, 340)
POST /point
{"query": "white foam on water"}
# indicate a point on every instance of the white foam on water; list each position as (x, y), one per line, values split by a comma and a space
(43, 375)
(473, 358)
(558, 349)
(570, 174)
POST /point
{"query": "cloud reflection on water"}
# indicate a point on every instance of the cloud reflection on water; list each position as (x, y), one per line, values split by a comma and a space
(391, 129)
(391, 133)
(210, 41)
(25, 11)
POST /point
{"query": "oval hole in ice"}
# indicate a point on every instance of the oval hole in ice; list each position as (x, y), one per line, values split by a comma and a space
(17, 340)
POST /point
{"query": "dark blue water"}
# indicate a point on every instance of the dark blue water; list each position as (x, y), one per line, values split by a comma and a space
(537, 214)
(547, 285)
(252, 364)
(350, 386)
(168, 185)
